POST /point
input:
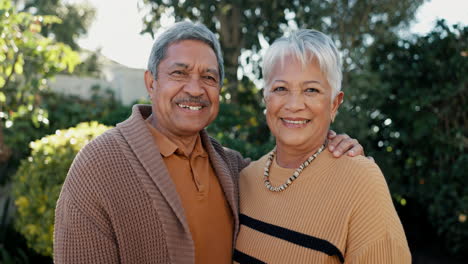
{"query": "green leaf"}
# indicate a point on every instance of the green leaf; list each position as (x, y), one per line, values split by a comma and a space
(18, 68)
(46, 20)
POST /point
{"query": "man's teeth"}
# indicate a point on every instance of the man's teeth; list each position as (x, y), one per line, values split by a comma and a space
(295, 122)
(195, 108)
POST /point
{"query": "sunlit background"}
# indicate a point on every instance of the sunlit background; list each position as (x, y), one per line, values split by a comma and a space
(118, 24)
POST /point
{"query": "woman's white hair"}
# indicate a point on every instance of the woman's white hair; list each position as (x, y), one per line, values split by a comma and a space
(306, 45)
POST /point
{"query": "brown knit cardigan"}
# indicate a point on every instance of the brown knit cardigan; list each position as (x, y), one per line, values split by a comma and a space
(119, 205)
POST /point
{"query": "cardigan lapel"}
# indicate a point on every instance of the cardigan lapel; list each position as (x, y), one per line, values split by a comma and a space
(147, 152)
(225, 178)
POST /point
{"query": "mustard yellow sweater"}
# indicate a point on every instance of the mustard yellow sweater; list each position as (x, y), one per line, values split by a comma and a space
(337, 211)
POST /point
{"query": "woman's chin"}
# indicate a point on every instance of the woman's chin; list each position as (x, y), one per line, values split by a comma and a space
(292, 142)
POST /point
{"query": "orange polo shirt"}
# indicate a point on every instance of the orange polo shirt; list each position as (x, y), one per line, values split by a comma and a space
(206, 209)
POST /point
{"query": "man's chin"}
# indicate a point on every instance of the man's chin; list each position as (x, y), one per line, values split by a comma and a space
(189, 130)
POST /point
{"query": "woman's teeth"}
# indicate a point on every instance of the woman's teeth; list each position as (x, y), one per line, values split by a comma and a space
(295, 121)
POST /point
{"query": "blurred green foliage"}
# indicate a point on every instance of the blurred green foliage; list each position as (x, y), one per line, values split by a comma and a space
(243, 126)
(5, 226)
(409, 109)
(13, 248)
(62, 111)
(421, 126)
(39, 179)
(242, 26)
(76, 18)
(27, 60)
(30, 55)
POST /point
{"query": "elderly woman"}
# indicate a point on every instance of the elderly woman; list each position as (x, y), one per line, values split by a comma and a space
(298, 203)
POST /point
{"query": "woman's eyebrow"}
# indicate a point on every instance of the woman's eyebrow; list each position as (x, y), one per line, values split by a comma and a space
(306, 82)
(283, 81)
(312, 82)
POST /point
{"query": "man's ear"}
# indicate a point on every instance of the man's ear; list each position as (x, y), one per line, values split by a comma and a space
(337, 101)
(149, 82)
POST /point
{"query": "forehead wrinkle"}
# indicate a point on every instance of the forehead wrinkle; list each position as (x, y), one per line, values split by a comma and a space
(180, 64)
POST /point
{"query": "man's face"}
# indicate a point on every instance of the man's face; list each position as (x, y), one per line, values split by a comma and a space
(185, 96)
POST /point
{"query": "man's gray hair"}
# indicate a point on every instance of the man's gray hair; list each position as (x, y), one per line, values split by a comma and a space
(184, 31)
(305, 45)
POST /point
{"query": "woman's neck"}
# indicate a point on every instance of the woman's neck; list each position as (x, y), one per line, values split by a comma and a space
(293, 157)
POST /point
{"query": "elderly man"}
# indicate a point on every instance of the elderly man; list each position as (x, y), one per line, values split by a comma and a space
(157, 188)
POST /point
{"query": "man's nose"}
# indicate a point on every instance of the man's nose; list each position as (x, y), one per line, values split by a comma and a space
(194, 87)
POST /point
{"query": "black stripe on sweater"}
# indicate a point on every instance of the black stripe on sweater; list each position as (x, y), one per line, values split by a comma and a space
(292, 236)
(243, 258)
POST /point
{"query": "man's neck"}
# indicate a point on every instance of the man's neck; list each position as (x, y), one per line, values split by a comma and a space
(184, 143)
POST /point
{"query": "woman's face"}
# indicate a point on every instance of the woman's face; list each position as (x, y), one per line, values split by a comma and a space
(299, 105)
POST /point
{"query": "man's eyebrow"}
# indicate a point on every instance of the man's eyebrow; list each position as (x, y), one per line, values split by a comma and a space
(211, 70)
(180, 64)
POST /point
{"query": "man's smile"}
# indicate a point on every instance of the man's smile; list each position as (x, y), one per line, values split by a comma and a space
(194, 108)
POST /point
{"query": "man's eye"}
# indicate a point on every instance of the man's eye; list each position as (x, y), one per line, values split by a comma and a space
(177, 73)
(210, 78)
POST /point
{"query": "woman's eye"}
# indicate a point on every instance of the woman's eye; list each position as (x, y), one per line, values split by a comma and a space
(279, 89)
(311, 90)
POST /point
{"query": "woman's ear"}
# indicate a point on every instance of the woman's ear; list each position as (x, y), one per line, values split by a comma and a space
(337, 101)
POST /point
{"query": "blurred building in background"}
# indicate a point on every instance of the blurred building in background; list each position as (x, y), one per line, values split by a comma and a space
(126, 83)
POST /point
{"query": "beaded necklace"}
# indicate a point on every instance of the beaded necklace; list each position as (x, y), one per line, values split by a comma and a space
(282, 187)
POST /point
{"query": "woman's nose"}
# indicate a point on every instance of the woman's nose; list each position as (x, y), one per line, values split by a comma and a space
(295, 102)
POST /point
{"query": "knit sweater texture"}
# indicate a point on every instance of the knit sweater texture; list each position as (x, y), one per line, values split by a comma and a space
(119, 205)
(338, 210)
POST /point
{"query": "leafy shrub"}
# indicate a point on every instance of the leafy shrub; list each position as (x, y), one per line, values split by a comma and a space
(39, 179)
(242, 125)
(58, 112)
(422, 127)
(243, 128)
(408, 108)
